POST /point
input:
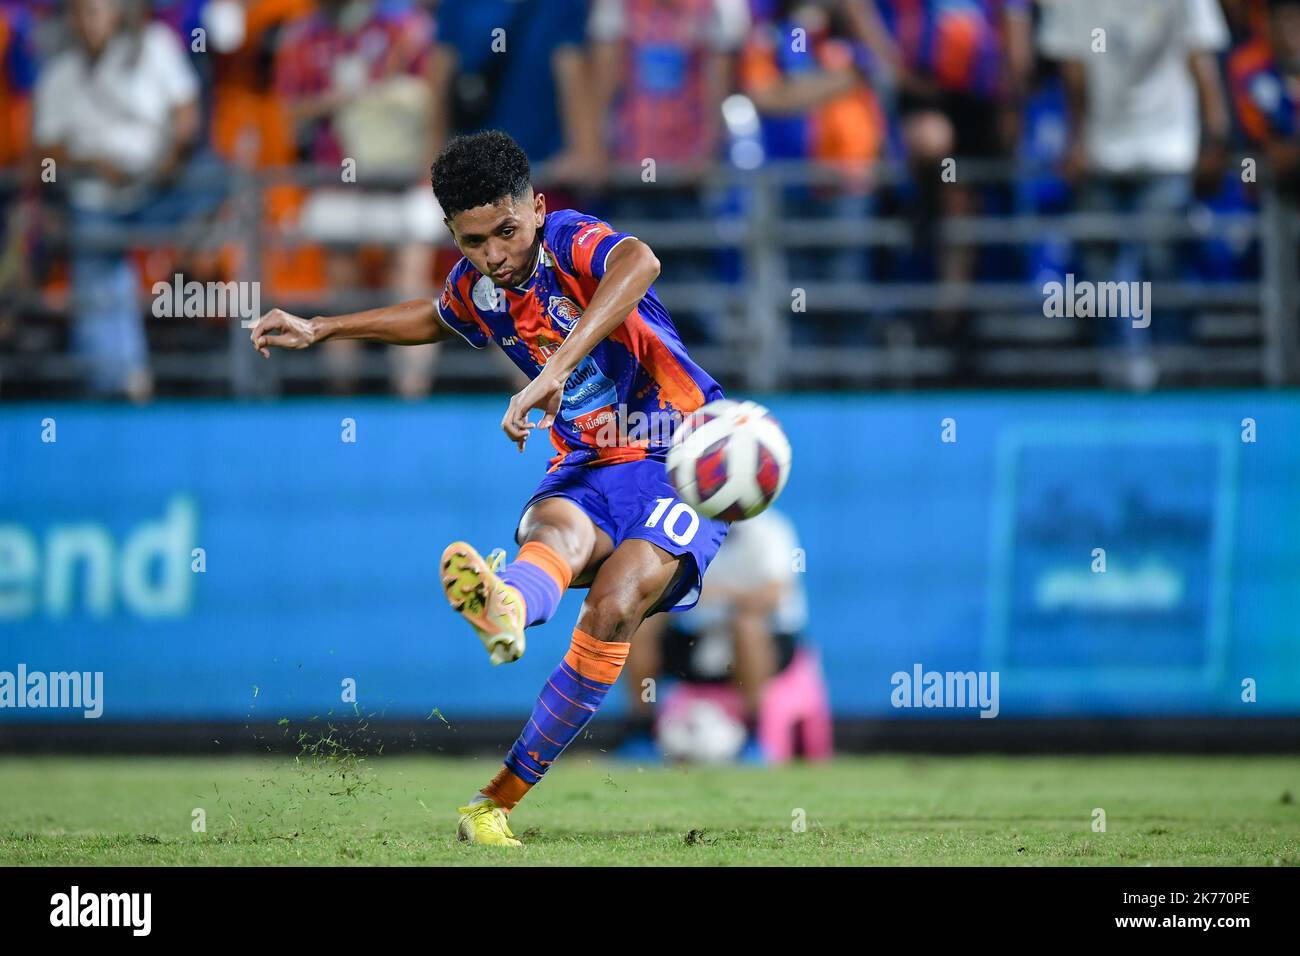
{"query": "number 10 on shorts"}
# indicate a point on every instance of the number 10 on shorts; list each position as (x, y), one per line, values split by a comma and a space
(673, 519)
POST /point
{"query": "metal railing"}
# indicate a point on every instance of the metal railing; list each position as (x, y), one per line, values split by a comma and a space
(1242, 331)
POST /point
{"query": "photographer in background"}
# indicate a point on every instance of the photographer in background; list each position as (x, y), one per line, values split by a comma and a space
(739, 654)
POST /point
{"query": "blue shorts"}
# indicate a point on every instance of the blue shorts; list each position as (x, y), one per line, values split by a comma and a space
(636, 500)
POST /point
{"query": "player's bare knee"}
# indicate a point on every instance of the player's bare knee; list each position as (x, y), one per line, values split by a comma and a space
(572, 542)
(618, 604)
(613, 615)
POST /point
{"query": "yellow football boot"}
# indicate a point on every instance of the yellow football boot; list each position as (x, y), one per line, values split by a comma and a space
(493, 608)
(485, 823)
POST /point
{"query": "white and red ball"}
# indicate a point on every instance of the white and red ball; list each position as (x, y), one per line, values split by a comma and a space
(729, 459)
(700, 731)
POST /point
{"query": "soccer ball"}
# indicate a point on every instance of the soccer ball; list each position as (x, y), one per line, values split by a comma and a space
(729, 460)
(702, 733)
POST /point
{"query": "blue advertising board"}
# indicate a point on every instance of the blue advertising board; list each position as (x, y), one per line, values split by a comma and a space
(1105, 555)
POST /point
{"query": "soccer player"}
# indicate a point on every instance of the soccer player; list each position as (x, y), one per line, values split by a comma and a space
(569, 300)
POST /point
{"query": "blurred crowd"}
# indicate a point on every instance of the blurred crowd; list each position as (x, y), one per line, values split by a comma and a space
(125, 116)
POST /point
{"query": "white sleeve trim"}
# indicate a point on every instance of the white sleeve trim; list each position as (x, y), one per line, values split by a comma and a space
(437, 310)
(611, 249)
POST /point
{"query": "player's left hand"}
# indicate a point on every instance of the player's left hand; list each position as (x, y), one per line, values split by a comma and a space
(544, 392)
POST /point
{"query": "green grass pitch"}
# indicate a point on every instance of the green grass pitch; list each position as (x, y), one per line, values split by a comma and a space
(875, 810)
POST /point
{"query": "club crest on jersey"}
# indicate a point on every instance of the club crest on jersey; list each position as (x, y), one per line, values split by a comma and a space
(564, 312)
(487, 296)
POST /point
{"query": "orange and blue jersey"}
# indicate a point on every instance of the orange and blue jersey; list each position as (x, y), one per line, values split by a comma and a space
(956, 43)
(1268, 106)
(17, 77)
(662, 105)
(847, 128)
(624, 400)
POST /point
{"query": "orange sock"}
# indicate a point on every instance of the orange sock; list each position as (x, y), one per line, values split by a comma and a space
(571, 697)
(598, 660)
(546, 558)
(506, 789)
(541, 577)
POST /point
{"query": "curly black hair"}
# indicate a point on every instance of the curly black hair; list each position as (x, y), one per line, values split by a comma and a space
(479, 169)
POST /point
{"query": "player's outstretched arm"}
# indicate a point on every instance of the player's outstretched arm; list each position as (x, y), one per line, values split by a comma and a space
(407, 323)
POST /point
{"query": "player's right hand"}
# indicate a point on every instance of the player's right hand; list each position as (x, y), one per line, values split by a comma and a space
(282, 330)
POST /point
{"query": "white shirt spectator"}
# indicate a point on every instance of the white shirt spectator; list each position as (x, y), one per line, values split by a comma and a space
(118, 108)
(1142, 109)
(756, 552)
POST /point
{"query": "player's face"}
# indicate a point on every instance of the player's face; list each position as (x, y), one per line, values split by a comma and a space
(501, 240)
